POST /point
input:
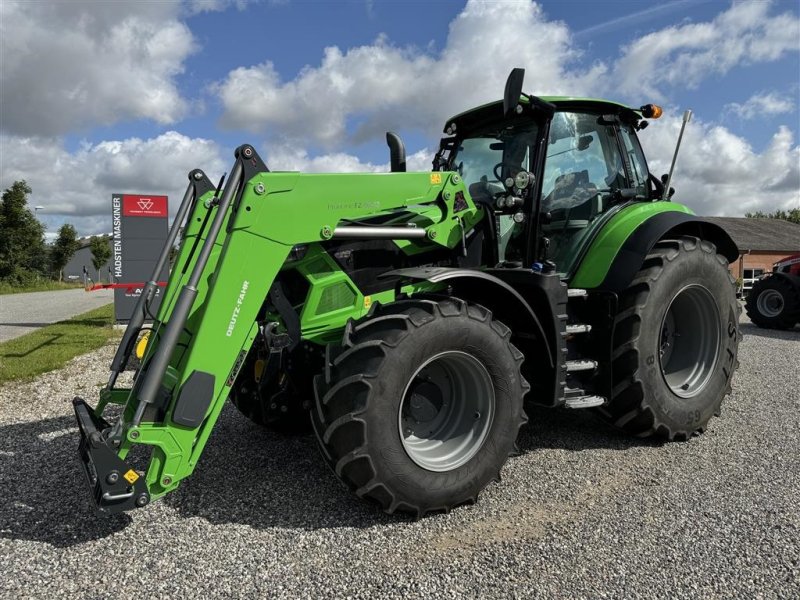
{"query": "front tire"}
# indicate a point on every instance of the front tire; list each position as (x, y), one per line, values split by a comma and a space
(420, 407)
(676, 340)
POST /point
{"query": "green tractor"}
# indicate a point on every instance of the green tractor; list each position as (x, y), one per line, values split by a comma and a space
(406, 316)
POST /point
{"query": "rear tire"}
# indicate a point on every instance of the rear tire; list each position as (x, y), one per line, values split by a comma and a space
(676, 340)
(420, 407)
(773, 303)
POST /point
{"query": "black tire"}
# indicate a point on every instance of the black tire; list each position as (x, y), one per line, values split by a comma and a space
(282, 402)
(357, 416)
(774, 303)
(680, 280)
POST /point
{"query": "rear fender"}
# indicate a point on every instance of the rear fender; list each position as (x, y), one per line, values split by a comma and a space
(619, 250)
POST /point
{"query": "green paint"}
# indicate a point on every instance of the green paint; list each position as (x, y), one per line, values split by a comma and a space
(280, 227)
(608, 242)
(559, 101)
(254, 245)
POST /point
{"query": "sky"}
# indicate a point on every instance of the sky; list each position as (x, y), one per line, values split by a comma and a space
(101, 97)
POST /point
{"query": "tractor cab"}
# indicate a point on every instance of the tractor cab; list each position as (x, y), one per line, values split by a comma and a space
(551, 171)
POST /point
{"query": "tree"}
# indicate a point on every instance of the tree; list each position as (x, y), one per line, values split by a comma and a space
(101, 252)
(23, 255)
(63, 248)
(792, 215)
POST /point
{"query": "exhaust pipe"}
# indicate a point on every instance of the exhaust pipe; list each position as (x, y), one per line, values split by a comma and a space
(397, 152)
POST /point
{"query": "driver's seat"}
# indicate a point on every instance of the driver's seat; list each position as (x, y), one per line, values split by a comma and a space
(567, 184)
(576, 214)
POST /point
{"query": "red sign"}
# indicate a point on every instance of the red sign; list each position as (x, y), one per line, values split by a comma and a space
(144, 206)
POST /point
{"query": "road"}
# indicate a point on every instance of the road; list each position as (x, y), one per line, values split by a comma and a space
(23, 313)
(583, 512)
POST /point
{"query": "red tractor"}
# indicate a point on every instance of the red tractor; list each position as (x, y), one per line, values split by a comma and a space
(774, 301)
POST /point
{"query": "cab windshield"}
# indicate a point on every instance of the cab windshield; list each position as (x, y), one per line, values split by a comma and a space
(484, 161)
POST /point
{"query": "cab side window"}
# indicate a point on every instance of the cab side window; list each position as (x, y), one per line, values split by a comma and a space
(634, 158)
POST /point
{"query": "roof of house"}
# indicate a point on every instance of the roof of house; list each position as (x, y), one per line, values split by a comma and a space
(85, 240)
(764, 235)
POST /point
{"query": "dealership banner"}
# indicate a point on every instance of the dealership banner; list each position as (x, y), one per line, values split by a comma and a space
(140, 226)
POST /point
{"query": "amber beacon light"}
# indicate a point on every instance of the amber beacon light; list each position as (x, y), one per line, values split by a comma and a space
(651, 111)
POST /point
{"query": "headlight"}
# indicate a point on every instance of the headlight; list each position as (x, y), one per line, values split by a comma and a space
(522, 180)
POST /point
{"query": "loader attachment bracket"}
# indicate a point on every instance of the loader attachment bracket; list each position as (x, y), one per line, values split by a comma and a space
(252, 165)
(277, 296)
(114, 485)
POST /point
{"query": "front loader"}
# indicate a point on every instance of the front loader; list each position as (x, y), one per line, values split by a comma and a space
(404, 317)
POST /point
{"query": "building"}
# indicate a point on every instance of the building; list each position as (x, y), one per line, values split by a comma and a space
(73, 271)
(761, 242)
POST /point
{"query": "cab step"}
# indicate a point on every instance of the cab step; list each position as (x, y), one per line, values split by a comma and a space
(585, 401)
(578, 328)
(581, 365)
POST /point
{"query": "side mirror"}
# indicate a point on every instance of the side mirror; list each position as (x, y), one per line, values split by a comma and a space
(513, 91)
(397, 152)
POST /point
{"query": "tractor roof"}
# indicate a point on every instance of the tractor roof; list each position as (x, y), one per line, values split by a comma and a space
(494, 110)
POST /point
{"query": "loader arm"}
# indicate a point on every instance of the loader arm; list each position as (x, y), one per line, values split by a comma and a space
(201, 203)
(233, 249)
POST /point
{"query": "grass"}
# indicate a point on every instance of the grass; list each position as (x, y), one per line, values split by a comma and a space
(46, 285)
(52, 346)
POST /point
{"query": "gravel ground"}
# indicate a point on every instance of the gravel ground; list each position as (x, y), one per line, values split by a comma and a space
(584, 512)
(23, 313)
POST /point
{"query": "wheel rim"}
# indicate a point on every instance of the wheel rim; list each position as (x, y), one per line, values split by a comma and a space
(689, 344)
(447, 411)
(770, 303)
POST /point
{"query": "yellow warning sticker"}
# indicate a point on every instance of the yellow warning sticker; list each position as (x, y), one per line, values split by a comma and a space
(258, 369)
(367, 301)
(131, 476)
(141, 345)
(436, 178)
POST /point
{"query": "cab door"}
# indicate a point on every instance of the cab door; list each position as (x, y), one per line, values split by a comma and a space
(590, 158)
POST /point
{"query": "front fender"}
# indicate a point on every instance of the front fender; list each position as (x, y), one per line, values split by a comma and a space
(490, 291)
(618, 251)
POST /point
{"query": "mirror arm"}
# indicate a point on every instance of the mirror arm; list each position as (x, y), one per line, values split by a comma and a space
(548, 108)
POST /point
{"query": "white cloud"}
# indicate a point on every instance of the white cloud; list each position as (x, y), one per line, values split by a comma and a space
(289, 158)
(383, 86)
(72, 65)
(719, 173)
(61, 71)
(764, 103)
(200, 6)
(76, 187)
(684, 55)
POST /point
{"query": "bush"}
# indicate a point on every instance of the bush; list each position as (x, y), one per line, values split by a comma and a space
(21, 277)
